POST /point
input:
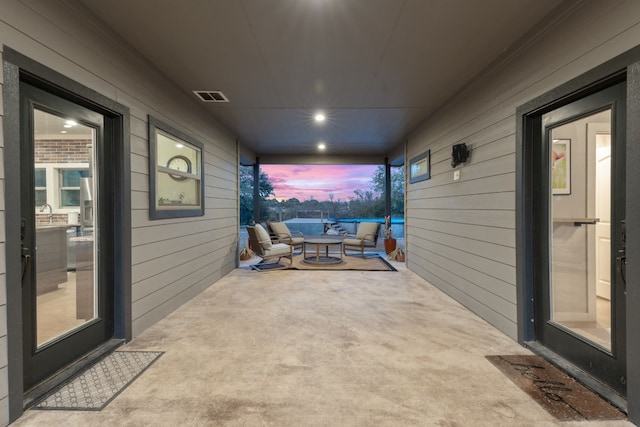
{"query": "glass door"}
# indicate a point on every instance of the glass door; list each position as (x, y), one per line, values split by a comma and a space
(67, 307)
(581, 223)
(65, 238)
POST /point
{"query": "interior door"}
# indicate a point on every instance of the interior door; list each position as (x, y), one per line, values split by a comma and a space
(599, 196)
(580, 207)
(66, 287)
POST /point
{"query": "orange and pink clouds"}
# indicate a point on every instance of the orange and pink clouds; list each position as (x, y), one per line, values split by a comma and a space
(306, 182)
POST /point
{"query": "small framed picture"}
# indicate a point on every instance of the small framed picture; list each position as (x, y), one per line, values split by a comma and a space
(420, 167)
(561, 166)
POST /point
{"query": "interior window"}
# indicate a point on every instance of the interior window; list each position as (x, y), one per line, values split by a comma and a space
(41, 186)
(70, 187)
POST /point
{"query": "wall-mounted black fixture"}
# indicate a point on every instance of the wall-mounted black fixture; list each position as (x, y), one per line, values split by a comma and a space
(459, 154)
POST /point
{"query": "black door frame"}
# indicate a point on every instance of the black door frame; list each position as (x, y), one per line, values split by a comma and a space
(39, 363)
(528, 129)
(610, 366)
(117, 127)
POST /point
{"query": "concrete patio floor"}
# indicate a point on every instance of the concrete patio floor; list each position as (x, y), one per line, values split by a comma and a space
(300, 348)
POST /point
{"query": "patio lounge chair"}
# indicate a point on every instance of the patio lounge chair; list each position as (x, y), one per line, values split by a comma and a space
(265, 248)
(282, 234)
(366, 237)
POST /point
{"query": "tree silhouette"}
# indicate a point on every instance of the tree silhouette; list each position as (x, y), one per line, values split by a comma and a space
(397, 188)
(246, 194)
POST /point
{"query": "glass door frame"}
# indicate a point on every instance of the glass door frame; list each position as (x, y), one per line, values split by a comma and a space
(608, 366)
(17, 67)
(624, 67)
(43, 358)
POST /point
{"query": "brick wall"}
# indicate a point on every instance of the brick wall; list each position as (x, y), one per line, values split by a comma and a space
(62, 151)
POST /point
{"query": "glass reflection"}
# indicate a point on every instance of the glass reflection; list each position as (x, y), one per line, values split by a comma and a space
(65, 276)
(580, 181)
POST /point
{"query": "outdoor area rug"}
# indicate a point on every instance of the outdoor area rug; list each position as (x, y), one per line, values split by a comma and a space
(373, 262)
(96, 387)
(561, 395)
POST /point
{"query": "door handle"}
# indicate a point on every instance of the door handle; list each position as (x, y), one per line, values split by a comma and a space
(26, 262)
(24, 251)
(621, 264)
(621, 259)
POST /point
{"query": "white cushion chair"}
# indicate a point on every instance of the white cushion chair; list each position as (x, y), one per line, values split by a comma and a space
(366, 237)
(283, 235)
(263, 246)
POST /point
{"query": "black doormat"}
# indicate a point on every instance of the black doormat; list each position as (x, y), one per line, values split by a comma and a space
(561, 395)
(96, 387)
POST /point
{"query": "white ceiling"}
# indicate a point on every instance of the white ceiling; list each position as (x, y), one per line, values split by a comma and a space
(376, 67)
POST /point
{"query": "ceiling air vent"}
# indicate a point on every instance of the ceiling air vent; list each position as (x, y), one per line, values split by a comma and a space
(211, 96)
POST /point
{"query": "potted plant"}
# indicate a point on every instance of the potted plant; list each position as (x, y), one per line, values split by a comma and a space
(389, 241)
(246, 254)
(397, 255)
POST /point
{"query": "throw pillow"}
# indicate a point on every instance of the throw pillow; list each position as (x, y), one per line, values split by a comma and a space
(263, 236)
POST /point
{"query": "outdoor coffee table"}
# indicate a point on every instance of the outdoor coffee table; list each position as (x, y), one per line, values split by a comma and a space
(318, 243)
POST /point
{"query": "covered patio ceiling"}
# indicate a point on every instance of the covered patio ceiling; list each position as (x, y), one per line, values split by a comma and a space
(375, 68)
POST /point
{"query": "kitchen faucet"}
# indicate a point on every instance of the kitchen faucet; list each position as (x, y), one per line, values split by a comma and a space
(43, 207)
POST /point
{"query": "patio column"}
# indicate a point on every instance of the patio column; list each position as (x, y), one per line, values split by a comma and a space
(387, 187)
(256, 191)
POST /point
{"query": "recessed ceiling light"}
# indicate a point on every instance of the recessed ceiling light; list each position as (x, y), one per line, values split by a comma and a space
(70, 123)
(178, 145)
(319, 118)
(322, 146)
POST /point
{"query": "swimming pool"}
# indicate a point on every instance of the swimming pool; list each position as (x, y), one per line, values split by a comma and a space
(351, 224)
(316, 226)
(358, 220)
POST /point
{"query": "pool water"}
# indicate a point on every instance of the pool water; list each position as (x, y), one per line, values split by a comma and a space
(305, 226)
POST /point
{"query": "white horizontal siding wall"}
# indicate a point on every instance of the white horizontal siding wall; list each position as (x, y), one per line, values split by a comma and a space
(461, 234)
(173, 260)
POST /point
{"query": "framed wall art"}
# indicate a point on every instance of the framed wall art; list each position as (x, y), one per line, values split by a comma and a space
(176, 178)
(420, 167)
(561, 166)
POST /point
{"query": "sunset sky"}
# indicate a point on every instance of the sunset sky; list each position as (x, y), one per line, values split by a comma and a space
(306, 182)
